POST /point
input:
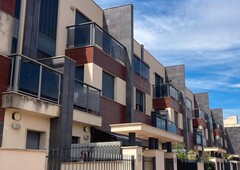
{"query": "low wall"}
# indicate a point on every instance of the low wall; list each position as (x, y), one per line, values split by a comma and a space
(22, 159)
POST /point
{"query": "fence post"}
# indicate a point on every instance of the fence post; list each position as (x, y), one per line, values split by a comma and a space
(133, 163)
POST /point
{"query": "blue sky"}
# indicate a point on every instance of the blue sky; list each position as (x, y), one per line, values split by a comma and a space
(202, 34)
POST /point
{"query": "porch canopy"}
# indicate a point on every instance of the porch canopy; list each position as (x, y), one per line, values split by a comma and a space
(214, 149)
(144, 131)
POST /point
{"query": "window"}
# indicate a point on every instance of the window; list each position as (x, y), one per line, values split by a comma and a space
(140, 68)
(140, 101)
(33, 140)
(79, 73)
(158, 86)
(75, 139)
(108, 86)
(176, 118)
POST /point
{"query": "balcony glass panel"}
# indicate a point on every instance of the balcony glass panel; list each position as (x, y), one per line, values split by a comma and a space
(86, 97)
(50, 84)
(29, 77)
(35, 79)
(161, 123)
(79, 36)
(172, 127)
(166, 90)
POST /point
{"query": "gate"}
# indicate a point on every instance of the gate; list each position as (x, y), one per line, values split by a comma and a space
(149, 163)
(91, 157)
(186, 165)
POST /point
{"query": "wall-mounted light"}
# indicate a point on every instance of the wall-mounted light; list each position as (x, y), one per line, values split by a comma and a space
(86, 129)
(16, 126)
(16, 116)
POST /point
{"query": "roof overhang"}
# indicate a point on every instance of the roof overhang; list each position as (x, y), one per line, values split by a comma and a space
(214, 149)
(144, 131)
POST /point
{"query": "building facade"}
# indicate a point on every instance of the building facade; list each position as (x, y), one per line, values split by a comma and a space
(72, 73)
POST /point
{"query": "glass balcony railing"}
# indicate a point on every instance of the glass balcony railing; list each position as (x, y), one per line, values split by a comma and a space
(166, 90)
(165, 124)
(199, 113)
(200, 140)
(90, 34)
(35, 79)
(86, 97)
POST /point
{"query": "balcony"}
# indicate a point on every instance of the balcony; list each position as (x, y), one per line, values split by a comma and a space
(90, 34)
(164, 124)
(86, 97)
(200, 140)
(218, 126)
(166, 91)
(199, 113)
(35, 79)
(33, 87)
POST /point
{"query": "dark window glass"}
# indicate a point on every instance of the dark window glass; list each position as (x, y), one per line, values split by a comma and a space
(75, 140)
(33, 140)
(50, 84)
(48, 18)
(140, 68)
(17, 9)
(158, 86)
(108, 86)
(140, 101)
(29, 77)
(80, 18)
(136, 65)
(79, 73)
(14, 45)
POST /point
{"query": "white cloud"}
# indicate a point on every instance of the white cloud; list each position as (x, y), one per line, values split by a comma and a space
(235, 85)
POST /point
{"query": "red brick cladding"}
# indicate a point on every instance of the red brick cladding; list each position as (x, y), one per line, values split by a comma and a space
(4, 77)
(8, 6)
(199, 122)
(162, 103)
(111, 112)
(142, 84)
(94, 55)
(141, 117)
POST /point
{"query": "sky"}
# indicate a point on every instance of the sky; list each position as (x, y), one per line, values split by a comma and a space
(204, 35)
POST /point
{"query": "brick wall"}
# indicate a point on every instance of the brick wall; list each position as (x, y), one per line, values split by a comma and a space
(8, 6)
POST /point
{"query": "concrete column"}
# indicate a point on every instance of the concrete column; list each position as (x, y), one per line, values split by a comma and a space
(200, 166)
(132, 139)
(159, 155)
(135, 151)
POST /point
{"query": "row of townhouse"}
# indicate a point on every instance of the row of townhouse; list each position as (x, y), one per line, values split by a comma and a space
(72, 73)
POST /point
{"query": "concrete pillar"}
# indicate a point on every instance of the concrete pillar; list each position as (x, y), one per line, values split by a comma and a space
(200, 166)
(135, 151)
(159, 155)
(132, 139)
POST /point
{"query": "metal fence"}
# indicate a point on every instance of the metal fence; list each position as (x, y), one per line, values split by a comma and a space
(91, 157)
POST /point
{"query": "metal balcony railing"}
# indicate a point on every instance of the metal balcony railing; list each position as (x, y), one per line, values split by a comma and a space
(86, 97)
(200, 140)
(199, 113)
(90, 34)
(165, 124)
(33, 78)
(167, 90)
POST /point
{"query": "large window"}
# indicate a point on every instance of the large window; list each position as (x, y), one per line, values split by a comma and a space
(33, 140)
(140, 68)
(189, 104)
(140, 101)
(108, 86)
(158, 86)
(79, 73)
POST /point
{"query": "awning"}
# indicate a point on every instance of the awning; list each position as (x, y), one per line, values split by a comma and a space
(144, 131)
(214, 149)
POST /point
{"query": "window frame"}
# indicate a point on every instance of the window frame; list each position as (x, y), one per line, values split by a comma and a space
(142, 101)
(112, 95)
